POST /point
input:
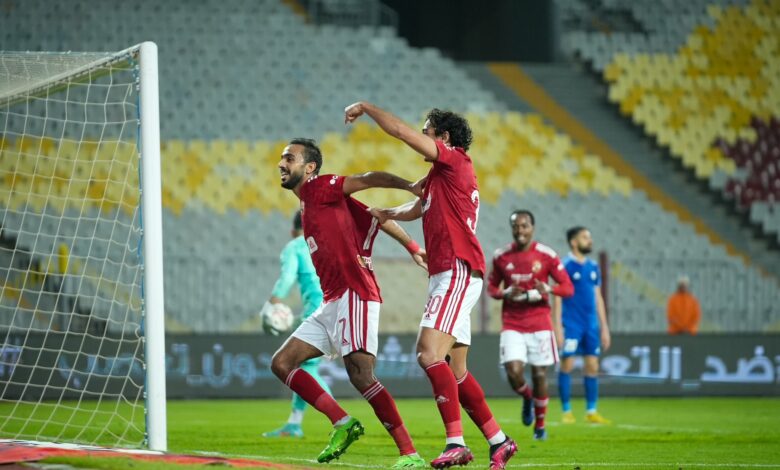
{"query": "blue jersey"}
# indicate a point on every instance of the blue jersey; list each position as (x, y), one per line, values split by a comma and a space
(297, 266)
(579, 311)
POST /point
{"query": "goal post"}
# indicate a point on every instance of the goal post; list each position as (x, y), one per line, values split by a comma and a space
(82, 342)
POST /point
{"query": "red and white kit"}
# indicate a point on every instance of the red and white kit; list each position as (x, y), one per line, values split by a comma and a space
(340, 233)
(456, 262)
(526, 333)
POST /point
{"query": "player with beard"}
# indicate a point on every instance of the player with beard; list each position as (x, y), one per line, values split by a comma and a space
(340, 232)
(524, 268)
(581, 325)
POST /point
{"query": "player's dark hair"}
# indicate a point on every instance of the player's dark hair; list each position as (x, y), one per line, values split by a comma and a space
(455, 124)
(311, 152)
(572, 233)
(520, 212)
(297, 221)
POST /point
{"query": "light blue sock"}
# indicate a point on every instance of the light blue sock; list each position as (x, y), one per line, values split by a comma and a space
(591, 393)
(564, 390)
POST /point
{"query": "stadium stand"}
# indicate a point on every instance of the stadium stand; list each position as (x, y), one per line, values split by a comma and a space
(234, 87)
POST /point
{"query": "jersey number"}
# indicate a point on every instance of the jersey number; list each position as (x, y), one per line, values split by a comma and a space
(475, 200)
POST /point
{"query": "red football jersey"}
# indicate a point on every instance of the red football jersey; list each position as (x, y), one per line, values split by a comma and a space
(450, 212)
(520, 268)
(340, 233)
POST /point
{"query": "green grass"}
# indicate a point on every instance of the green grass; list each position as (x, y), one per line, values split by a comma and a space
(647, 433)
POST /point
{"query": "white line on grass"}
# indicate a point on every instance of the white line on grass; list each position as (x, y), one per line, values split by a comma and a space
(525, 465)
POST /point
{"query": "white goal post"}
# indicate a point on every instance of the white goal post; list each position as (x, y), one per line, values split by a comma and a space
(82, 342)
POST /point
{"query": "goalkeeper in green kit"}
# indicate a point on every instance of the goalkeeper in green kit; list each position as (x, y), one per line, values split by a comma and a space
(297, 266)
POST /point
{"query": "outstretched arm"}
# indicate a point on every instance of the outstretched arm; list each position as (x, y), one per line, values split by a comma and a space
(412, 210)
(377, 179)
(399, 234)
(394, 126)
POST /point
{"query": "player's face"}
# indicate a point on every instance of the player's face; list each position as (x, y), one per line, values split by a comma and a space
(522, 230)
(430, 131)
(584, 242)
(292, 166)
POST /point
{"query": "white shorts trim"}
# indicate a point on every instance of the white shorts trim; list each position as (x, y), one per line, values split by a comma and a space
(342, 326)
(451, 296)
(537, 348)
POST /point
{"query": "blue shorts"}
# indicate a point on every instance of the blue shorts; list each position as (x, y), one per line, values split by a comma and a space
(581, 342)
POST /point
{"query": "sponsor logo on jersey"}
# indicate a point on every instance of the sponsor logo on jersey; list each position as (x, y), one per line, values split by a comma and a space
(521, 277)
(577, 276)
(593, 275)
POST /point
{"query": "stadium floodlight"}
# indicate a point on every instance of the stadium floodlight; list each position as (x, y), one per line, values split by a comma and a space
(82, 353)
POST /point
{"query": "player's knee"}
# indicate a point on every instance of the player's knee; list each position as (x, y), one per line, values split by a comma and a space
(539, 373)
(281, 366)
(361, 379)
(427, 358)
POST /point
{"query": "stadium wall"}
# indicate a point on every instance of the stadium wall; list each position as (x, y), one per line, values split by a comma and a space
(238, 366)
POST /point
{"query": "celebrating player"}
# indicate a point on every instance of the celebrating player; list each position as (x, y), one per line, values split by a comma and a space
(340, 232)
(296, 266)
(449, 208)
(581, 325)
(524, 267)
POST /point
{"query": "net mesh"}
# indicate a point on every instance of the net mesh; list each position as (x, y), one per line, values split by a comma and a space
(71, 346)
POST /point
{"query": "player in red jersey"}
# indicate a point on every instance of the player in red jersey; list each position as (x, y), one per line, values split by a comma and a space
(524, 268)
(449, 208)
(340, 233)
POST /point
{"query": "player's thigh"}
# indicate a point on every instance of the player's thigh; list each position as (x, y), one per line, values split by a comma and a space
(572, 342)
(567, 364)
(433, 346)
(591, 343)
(542, 349)
(513, 347)
(319, 330)
(451, 297)
(357, 324)
(292, 354)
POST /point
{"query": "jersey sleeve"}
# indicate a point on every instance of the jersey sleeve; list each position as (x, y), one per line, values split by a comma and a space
(494, 281)
(325, 189)
(597, 270)
(564, 286)
(367, 226)
(289, 270)
(446, 154)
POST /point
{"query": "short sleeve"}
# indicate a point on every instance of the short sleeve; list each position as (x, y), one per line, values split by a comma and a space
(597, 271)
(325, 189)
(446, 154)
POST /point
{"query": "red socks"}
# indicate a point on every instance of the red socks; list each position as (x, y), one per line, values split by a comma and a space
(384, 408)
(304, 385)
(445, 391)
(472, 397)
(540, 409)
(525, 392)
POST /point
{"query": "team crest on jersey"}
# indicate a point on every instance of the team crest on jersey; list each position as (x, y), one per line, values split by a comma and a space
(577, 276)
(333, 180)
(537, 266)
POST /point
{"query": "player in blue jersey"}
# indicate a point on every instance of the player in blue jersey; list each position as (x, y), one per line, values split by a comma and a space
(296, 265)
(581, 325)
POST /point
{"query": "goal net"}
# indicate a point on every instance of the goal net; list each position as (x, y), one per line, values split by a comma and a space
(81, 329)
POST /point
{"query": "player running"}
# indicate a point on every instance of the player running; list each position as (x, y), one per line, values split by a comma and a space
(581, 325)
(296, 266)
(449, 207)
(524, 268)
(340, 232)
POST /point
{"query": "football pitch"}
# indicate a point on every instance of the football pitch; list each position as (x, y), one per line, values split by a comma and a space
(646, 433)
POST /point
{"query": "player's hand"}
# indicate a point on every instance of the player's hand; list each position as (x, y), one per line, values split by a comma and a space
(606, 339)
(379, 214)
(542, 287)
(421, 258)
(418, 187)
(353, 112)
(514, 294)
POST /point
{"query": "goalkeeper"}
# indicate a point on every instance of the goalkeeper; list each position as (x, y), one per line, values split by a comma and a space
(296, 265)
